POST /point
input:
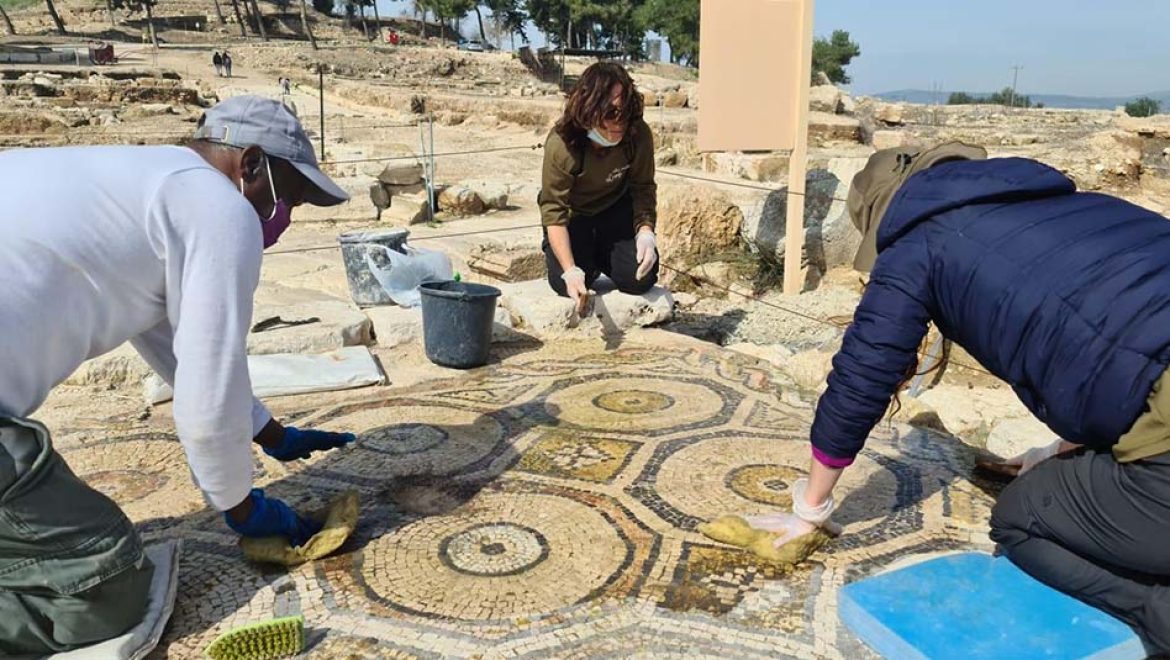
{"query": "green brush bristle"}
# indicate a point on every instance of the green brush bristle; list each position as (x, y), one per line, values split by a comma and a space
(278, 638)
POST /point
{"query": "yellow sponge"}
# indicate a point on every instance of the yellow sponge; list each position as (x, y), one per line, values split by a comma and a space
(340, 520)
(734, 530)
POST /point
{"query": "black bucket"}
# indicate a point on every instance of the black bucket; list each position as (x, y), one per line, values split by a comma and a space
(363, 286)
(457, 322)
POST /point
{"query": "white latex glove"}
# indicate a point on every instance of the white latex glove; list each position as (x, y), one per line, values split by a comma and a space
(803, 519)
(1035, 455)
(575, 283)
(647, 251)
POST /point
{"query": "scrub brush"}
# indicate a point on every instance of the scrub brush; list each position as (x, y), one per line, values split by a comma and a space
(278, 638)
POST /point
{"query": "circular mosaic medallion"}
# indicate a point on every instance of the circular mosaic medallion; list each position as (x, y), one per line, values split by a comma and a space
(633, 402)
(399, 438)
(403, 439)
(626, 403)
(693, 480)
(125, 486)
(146, 475)
(766, 484)
(499, 557)
(494, 549)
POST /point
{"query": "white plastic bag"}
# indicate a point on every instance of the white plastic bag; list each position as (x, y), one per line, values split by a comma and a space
(401, 274)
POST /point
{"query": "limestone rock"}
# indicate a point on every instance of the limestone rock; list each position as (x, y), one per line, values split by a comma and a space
(394, 325)
(825, 98)
(693, 97)
(536, 310)
(712, 278)
(507, 264)
(666, 157)
(891, 114)
(825, 128)
(886, 139)
(494, 194)
(809, 369)
(763, 167)
(1012, 437)
(649, 98)
(408, 210)
(695, 223)
(402, 175)
(674, 100)
(503, 331)
(915, 412)
(684, 300)
(340, 324)
(461, 200)
(969, 412)
(830, 238)
(848, 106)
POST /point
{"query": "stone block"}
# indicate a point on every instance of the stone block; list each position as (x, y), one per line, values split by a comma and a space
(341, 324)
(401, 175)
(507, 264)
(761, 167)
(889, 139)
(825, 128)
(674, 99)
(891, 114)
(830, 237)
(394, 325)
(824, 98)
(493, 194)
(536, 310)
(460, 200)
(407, 210)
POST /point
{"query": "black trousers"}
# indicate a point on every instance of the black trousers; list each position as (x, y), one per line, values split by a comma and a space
(603, 243)
(1097, 530)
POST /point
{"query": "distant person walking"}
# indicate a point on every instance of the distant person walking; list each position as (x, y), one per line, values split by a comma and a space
(227, 64)
(217, 62)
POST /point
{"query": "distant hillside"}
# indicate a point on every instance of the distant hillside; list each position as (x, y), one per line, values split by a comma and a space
(1049, 100)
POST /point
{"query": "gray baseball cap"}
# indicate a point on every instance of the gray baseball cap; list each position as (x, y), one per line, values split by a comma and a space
(245, 121)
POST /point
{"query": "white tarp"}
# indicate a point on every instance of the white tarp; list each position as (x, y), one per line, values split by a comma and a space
(283, 374)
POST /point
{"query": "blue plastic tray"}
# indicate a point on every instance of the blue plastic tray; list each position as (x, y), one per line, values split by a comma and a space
(973, 605)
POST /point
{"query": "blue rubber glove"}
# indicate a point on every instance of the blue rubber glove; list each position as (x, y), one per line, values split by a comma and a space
(271, 517)
(300, 444)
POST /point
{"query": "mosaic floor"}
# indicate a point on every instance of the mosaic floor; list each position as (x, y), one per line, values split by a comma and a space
(546, 507)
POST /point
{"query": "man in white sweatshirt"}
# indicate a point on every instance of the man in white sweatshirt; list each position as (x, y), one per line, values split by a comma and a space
(159, 246)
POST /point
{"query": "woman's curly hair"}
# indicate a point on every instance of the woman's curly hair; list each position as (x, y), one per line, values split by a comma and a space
(590, 101)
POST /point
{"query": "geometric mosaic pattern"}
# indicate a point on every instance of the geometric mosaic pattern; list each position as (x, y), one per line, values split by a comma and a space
(546, 507)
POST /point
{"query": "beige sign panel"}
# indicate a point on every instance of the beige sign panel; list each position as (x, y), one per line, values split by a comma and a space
(749, 73)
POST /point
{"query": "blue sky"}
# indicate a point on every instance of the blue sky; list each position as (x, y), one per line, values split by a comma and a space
(1081, 47)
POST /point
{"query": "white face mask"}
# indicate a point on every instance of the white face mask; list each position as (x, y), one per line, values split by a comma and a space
(601, 140)
(271, 187)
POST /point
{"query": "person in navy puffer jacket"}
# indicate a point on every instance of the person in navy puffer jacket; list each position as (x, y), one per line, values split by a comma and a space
(1066, 296)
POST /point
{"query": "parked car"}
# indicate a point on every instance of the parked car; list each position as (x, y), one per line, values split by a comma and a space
(473, 45)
